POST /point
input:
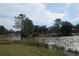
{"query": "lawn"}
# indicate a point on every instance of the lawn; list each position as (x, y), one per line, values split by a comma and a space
(24, 48)
(27, 50)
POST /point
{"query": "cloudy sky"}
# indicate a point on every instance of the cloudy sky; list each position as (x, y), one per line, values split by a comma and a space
(40, 14)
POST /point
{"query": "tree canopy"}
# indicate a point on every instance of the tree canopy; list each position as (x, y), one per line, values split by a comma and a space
(24, 24)
(66, 28)
(62, 28)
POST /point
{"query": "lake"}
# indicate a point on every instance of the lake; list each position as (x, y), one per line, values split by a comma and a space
(68, 42)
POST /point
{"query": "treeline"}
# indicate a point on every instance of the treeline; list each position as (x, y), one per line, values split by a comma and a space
(3, 30)
(25, 26)
(60, 28)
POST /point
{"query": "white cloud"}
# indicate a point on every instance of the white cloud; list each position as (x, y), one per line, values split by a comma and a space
(36, 12)
(8, 23)
(71, 12)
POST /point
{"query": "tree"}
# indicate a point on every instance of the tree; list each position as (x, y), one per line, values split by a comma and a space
(62, 28)
(39, 30)
(43, 29)
(57, 25)
(24, 25)
(27, 28)
(36, 30)
(66, 28)
(18, 21)
(77, 26)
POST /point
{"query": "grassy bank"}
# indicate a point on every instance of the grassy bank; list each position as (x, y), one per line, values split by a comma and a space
(24, 48)
(27, 50)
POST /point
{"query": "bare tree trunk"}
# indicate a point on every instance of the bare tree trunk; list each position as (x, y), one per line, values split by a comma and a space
(21, 36)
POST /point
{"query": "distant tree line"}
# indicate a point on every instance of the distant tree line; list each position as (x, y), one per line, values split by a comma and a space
(27, 29)
(3, 30)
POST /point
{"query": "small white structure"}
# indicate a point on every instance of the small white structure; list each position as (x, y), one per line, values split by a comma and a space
(15, 36)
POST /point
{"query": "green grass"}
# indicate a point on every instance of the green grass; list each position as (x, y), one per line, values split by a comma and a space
(27, 50)
(23, 48)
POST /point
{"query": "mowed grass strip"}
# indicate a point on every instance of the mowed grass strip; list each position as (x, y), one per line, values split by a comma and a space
(27, 50)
